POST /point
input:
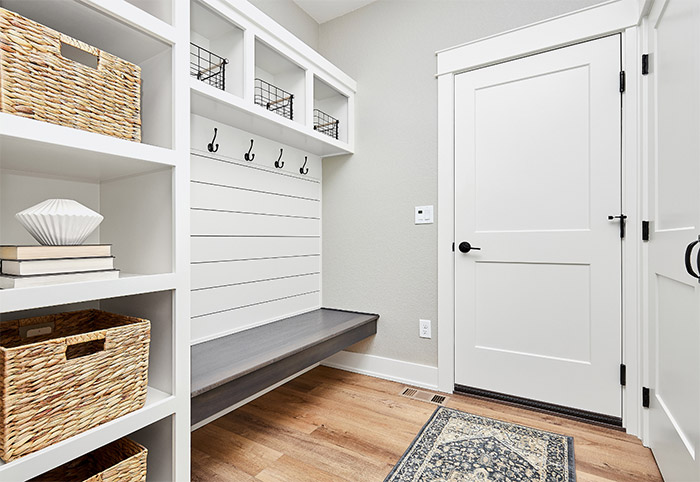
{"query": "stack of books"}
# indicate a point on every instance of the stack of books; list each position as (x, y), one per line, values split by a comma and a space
(25, 266)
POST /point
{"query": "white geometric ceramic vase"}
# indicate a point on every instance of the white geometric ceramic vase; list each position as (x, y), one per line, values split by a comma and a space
(59, 222)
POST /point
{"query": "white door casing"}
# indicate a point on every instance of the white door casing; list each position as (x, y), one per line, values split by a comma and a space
(673, 143)
(537, 172)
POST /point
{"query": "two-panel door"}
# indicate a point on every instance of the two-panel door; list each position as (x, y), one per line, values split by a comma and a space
(537, 173)
(673, 295)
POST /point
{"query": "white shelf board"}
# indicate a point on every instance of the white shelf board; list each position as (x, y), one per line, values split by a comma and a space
(60, 294)
(135, 17)
(30, 145)
(158, 406)
(232, 110)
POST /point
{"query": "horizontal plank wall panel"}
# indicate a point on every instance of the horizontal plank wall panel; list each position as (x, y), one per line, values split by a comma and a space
(206, 249)
(256, 231)
(222, 223)
(233, 321)
(251, 176)
(218, 197)
(208, 275)
(213, 300)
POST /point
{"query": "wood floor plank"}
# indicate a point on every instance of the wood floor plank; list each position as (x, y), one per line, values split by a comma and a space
(327, 457)
(333, 425)
(224, 445)
(287, 468)
(209, 469)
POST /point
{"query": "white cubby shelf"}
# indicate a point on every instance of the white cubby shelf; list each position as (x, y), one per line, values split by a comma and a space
(259, 48)
(30, 145)
(126, 32)
(63, 294)
(159, 406)
(214, 104)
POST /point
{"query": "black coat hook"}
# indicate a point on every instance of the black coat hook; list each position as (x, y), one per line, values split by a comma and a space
(279, 163)
(248, 156)
(211, 146)
(303, 169)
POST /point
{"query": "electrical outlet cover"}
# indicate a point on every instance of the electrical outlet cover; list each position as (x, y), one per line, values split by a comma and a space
(424, 329)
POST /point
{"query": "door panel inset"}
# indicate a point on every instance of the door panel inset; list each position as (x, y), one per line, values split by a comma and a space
(679, 357)
(557, 313)
(547, 182)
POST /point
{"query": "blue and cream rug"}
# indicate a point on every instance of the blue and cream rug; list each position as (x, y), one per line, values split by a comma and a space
(456, 446)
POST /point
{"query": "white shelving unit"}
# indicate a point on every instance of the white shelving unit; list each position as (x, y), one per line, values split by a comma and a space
(267, 51)
(142, 189)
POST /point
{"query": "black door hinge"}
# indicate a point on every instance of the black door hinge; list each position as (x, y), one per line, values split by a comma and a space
(645, 230)
(622, 81)
(645, 64)
(623, 374)
(645, 397)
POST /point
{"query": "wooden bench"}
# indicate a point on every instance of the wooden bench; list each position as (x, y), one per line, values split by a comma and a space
(227, 370)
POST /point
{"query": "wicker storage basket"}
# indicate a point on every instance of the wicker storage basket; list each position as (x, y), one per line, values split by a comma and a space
(38, 82)
(123, 460)
(91, 368)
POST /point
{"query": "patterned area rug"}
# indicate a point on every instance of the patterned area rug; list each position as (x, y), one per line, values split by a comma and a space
(456, 446)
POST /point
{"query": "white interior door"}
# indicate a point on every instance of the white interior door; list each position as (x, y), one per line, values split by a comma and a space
(537, 172)
(674, 208)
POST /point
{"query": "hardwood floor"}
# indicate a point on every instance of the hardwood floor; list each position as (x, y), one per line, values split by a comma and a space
(332, 425)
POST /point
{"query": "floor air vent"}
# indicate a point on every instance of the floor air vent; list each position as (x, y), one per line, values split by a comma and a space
(423, 396)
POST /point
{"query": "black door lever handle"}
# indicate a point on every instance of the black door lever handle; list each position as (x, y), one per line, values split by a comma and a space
(465, 247)
(688, 262)
(622, 218)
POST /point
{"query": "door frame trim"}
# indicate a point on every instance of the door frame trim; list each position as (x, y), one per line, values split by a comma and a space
(614, 16)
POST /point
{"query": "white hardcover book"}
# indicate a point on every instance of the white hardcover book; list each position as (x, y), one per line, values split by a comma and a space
(55, 252)
(55, 266)
(11, 281)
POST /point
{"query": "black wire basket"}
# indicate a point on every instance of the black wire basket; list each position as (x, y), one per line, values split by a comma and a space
(274, 99)
(325, 124)
(207, 66)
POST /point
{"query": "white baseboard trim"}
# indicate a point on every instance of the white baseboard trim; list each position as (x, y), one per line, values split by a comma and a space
(423, 376)
(250, 399)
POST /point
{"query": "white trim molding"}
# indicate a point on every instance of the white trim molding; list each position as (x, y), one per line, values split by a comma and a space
(606, 18)
(423, 376)
(611, 17)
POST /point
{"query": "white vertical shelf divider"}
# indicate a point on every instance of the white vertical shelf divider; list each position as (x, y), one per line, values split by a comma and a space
(181, 201)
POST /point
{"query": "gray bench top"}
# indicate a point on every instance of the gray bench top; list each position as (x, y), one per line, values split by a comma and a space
(224, 359)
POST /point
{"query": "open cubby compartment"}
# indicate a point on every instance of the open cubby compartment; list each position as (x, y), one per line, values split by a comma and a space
(126, 42)
(280, 84)
(137, 210)
(330, 111)
(161, 9)
(156, 307)
(216, 50)
(158, 439)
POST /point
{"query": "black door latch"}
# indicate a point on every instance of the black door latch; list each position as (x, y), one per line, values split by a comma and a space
(622, 218)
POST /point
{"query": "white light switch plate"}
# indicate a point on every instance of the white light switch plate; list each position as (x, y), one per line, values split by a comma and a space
(424, 215)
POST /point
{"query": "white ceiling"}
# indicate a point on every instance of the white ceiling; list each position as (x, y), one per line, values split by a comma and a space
(325, 10)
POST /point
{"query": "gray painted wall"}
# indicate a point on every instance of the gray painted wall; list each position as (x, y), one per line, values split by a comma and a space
(374, 258)
(292, 17)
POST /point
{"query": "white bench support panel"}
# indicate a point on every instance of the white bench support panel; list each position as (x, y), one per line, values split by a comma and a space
(234, 367)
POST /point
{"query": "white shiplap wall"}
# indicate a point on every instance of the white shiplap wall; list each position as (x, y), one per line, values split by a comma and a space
(256, 232)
